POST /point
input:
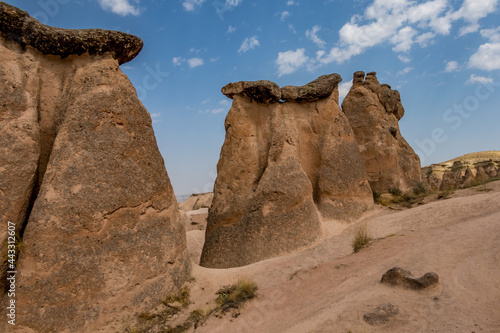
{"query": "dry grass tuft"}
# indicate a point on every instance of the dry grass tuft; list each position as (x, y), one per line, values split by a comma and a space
(361, 239)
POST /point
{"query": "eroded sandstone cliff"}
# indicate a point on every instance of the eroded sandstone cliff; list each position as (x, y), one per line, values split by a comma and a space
(82, 179)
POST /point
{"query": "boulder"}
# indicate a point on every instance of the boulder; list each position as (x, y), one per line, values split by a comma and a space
(381, 314)
(282, 167)
(398, 276)
(101, 231)
(373, 111)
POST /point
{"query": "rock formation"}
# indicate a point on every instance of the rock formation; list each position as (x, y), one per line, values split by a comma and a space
(197, 201)
(281, 164)
(381, 314)
(82, 179)
(374, 111)
(464, 171)
(398, 276)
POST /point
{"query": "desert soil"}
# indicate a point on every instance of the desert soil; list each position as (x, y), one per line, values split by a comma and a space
(328, 288)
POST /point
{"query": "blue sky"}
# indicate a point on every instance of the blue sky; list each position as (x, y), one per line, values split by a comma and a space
(442, 55)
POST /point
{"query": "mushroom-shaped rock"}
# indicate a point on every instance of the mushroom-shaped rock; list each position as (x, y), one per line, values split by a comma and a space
(19, 26)
(315, 90)
(280, 166)
(82, 182)
(262, 91)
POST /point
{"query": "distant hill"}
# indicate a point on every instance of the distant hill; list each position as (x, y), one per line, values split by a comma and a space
(473, 158)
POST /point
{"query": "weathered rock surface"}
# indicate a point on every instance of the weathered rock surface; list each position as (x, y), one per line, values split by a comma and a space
(374, 111)
(197, 201)
(18, 26)
(81, 171)
(464, 171)
(281, 164)
(403, 278)
(381, 314)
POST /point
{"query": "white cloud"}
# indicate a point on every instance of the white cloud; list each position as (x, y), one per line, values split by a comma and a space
(344, 88)
(473, 10)
(214, 59)
(492, 34)
(404, 71)
(404, 23)
(195, 62)
(425, 39)
(291, 28)
(313, 35)
(487, 57)
(479, 79)
(289, 61)
(155, 117)
(249, 44)
(191, 5)
(284, 15)
(230, 29)
(177, 61)
(292, 3)
(403, 39)
(212, 111)
(120, 7)
(225, 102)
(205, 101)
(451, 66)
(404, 59)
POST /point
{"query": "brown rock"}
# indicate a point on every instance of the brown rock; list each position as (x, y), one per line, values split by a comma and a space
(449, 181)
(280, 164)
(259, 91)
(197, 201)
(373, 111)
(403, 278)
(315, 90)
(381, 314)
(18, 26)
(103, 237)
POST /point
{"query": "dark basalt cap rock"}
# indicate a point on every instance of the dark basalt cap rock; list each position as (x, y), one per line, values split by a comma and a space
(262, 91)
(315, 90)
(19, 26)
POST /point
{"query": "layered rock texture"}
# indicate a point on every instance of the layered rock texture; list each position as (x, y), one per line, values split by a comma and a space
(374, 110)
(464, 171)
(289, 158)
(82, 179)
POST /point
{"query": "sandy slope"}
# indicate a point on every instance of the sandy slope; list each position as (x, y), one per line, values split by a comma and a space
(327, 288)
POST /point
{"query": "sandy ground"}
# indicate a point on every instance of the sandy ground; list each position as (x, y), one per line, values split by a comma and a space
(327, 288)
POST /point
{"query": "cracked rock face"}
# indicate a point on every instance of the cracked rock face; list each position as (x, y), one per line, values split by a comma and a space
(81, 171)
(374, 111)
(283, 167)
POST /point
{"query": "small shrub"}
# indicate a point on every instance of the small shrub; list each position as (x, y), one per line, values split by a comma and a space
(445, 194)
(419, 189)
(376, 196)
(235, 295)
(181, 297)
(361, 239)
(396, 192)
